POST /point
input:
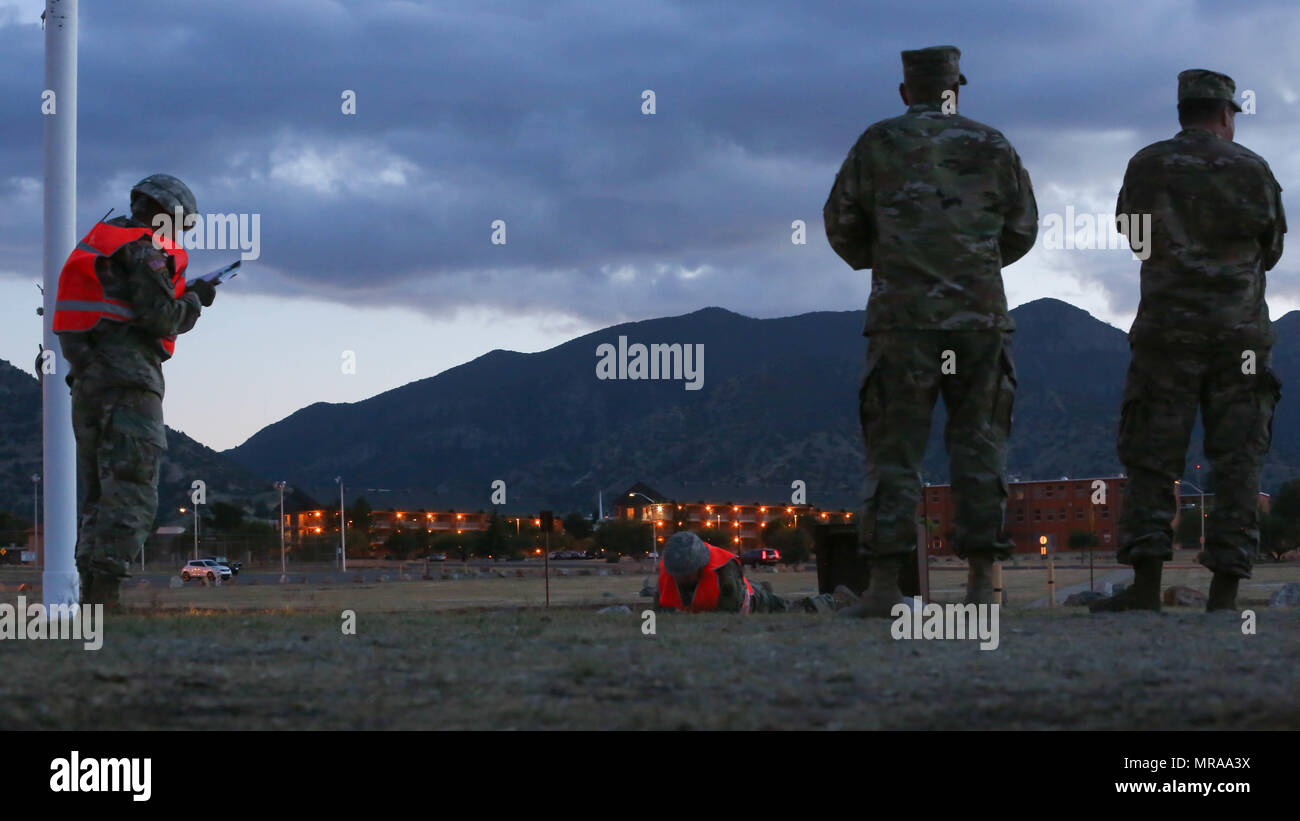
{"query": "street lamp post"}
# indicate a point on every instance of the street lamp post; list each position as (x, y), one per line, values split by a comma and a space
(343, 526)
(652, 527)
(36, 516)
(1202, 502)
(283, 567)
(196, 528)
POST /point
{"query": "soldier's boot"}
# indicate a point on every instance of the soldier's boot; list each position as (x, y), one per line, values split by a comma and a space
(882, 594)
(821, 603)
(1143, 594)
(105, 591)
(101, 580)
(979, 580)
(1223, 593)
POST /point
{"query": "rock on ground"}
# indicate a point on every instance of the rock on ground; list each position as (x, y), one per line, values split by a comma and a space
(1287, 596)
(1180, 596)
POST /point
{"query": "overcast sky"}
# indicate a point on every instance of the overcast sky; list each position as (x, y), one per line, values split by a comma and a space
(376, 227)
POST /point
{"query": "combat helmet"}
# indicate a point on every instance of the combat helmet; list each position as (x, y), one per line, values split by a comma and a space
(169, 192)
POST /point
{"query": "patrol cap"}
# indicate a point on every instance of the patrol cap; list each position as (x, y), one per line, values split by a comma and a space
(941, 63)
(685, 553)
(1202, 84)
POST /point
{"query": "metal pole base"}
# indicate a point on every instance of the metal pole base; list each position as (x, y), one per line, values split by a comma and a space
(60, 587)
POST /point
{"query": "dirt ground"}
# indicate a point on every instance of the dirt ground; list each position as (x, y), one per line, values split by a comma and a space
(481, 654)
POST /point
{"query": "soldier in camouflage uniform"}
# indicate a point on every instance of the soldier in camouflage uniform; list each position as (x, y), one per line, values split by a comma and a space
(1201, 339)
(117, 391)
(935, 204)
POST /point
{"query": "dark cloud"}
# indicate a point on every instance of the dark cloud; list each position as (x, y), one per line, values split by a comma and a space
(529, 112)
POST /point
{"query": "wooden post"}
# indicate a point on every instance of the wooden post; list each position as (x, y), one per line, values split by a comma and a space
(997, 583)
(1051, 582)
(922, 563)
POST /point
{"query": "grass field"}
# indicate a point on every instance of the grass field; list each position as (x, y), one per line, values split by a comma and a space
(481, 653)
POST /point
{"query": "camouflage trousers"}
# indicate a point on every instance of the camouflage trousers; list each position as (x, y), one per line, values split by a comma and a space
(120, 440)
(906, 372)
(765, 601)
(1163, 392)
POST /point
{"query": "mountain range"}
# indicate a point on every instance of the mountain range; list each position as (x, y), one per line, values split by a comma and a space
(777, 404)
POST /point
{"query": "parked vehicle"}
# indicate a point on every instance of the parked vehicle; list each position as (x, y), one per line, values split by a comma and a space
(762, 555)
(235, 567)
(205, 569)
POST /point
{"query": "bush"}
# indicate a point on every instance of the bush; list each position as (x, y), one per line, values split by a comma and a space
(623, 537)
(795, 543)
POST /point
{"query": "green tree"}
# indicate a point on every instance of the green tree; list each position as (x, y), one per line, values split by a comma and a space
(13, 529)
(623, 537)
(794, 543)
(1282, 521)
(716, 536)
(1083, 539)
(577, 526)
(495, 541)
(407, 543)
(456, 545)
(1276, 535)
(1188, 531)
(359, 514)
(225, 517)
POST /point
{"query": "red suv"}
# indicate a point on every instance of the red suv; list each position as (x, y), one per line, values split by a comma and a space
(764, 555)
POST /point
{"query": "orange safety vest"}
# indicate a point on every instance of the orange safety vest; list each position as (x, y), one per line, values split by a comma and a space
(83, 301)
(706, 592)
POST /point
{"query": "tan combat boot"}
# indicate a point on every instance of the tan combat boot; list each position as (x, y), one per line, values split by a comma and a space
(882, 595)
(1144, 594)
(1223, 593)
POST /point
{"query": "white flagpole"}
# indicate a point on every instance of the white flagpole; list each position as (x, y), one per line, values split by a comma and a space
(60, 583)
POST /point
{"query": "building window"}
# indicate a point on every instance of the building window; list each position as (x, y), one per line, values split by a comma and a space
(1105, 512)
(1048, 492)
(1020, 493)
(1078, 514)
(1038, 515)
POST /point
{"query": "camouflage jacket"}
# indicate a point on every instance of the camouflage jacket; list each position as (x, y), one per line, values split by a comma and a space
(935, 204)
(116, 354)
(1216, 227)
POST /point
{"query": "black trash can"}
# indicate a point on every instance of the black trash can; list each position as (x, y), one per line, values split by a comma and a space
(839, 562)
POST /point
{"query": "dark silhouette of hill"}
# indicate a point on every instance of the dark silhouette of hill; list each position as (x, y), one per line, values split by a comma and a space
(778, 404)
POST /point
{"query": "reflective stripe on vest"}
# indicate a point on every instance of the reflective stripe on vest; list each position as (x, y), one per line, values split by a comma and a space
(707, 590)
(82, 301)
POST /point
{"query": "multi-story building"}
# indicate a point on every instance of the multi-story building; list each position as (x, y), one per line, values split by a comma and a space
(1040, 514)
(744, 524)
(1044, 513)
(383, 523)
